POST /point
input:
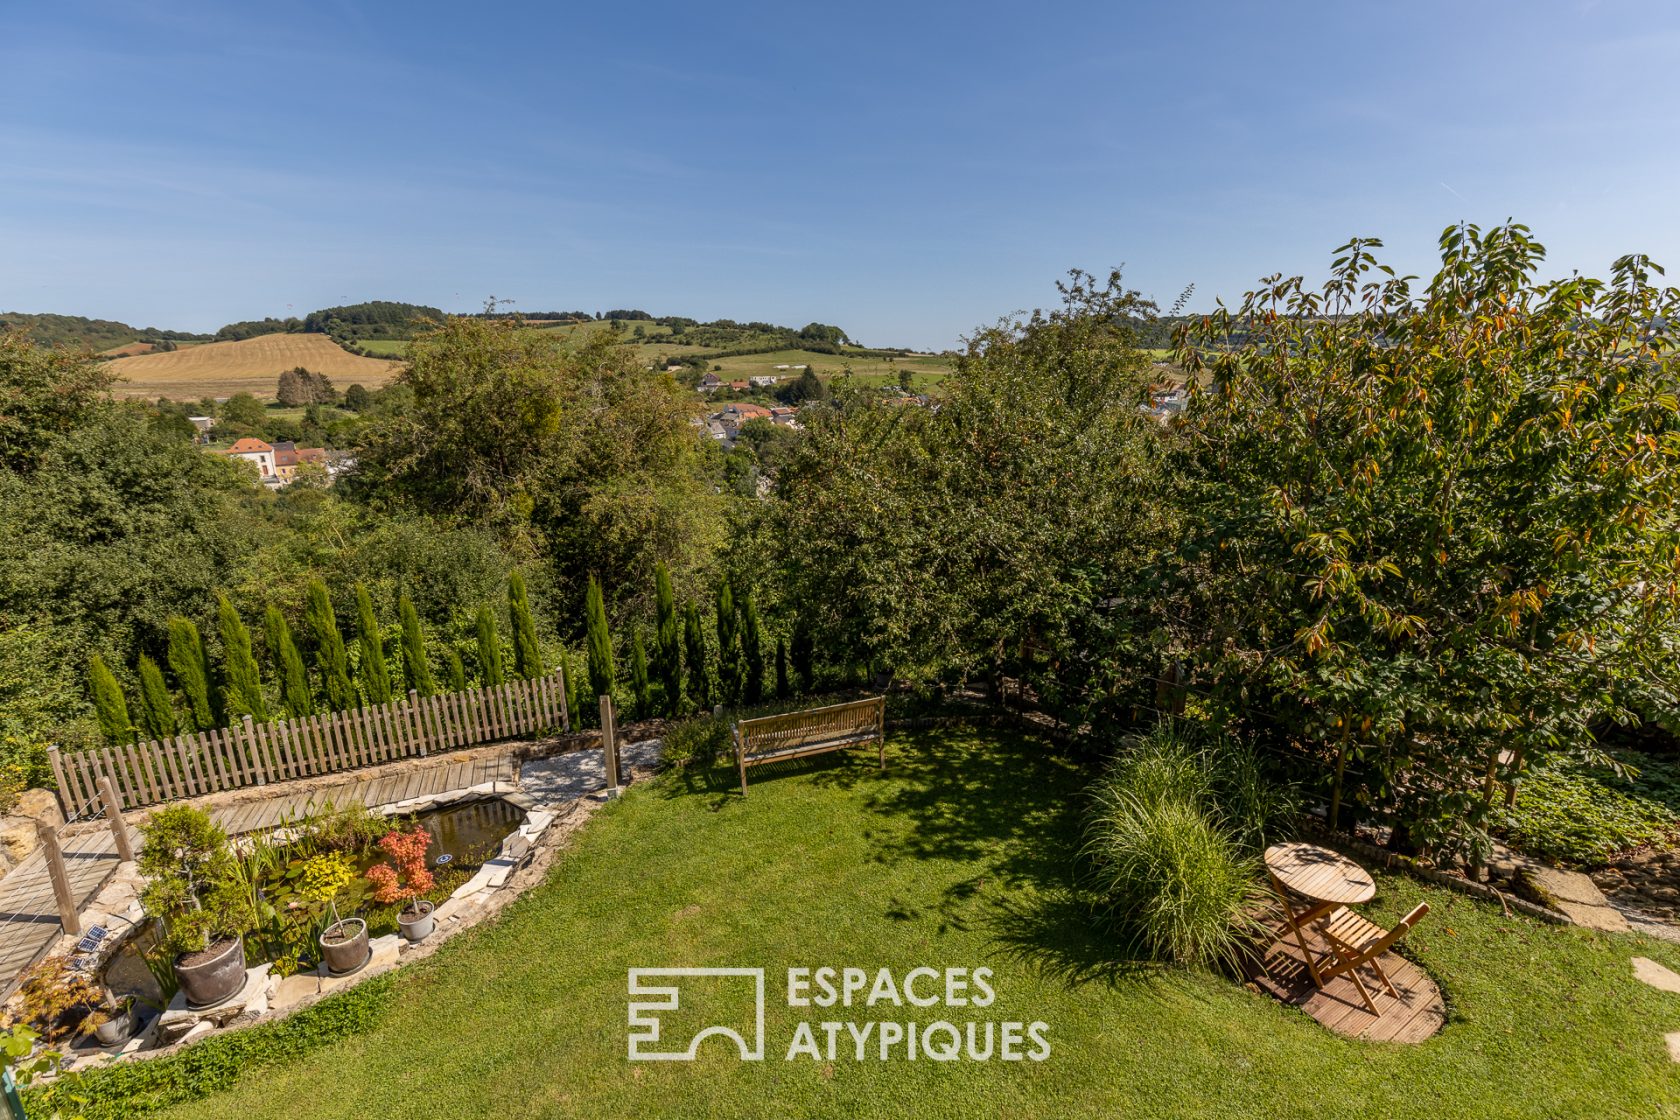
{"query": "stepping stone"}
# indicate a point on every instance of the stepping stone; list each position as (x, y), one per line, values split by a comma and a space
(1673, 1040)
(1575, 895)
(1656, 975)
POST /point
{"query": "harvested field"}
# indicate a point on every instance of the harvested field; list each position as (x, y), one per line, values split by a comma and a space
(252, 365)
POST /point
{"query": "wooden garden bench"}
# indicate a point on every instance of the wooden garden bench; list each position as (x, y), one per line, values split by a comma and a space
(813, 731)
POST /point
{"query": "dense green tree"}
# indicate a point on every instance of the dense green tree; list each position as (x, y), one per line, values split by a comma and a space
(157, 708)
(288, 665)
(109, 704)
(731, 671)
(698, 678)
(489, 650)
(416, 671)
(782, 689)
(191, 666)
(375, 675)
(986, 534)
(243, 411)
(570, 442)
(457, 671)
(527, 655)
(639, 676)
(330, 656)
(242, 688)
(752, 651)
(598, 641)
(44, 393)
(803, 654)
(667, 642)
(1432, 535)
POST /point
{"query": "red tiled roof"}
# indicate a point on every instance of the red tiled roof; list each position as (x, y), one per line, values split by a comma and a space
(248, 446)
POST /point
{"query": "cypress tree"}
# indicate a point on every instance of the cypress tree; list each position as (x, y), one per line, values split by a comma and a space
(243, 683)
(157, 710)
(598, 640)
(288, 665)
(457, 671)
(782, 690)
(109, 704)
(729, 645)
(667, 642)
(375, 676)
(334, 663)
(527, 656)
(416, 672)
(639, 675)
(489, 650)
(752, 652)
(694, 649)
(802, 654)
(191, 666)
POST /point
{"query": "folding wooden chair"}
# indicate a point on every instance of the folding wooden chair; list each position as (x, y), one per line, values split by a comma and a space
(1355, 941)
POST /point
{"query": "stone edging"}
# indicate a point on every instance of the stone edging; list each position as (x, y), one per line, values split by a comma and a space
(1394, 860)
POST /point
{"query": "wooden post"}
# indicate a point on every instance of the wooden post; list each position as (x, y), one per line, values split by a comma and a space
(58, 776)
(60, 878)
(609, 745)
(113, 816)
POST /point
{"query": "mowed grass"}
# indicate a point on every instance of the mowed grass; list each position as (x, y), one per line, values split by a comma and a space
(960, 855)
(252, 365)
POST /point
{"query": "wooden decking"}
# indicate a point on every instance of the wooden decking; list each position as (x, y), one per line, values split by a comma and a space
(1416, 1015)
(29, 922)
(377, 787)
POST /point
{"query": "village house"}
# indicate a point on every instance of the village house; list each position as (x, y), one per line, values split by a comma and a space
(710, 383)
(257, 452)
(764, 380)
(277, 463)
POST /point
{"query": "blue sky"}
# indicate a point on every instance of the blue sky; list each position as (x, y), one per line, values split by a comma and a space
(905, 170)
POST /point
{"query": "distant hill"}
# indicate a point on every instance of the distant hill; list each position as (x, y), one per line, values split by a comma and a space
(96, 334)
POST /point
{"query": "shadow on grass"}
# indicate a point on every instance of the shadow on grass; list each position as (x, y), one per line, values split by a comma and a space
(1005, 804)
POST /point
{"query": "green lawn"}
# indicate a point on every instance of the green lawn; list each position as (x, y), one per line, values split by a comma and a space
(959, 856)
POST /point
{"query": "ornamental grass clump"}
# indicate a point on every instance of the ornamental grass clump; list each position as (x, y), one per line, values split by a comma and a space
(1172, 839)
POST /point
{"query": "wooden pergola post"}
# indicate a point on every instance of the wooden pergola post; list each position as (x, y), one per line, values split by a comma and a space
(114, 817)
(609, 746)
(60, 878)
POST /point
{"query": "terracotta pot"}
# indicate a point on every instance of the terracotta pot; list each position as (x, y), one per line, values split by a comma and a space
(349, 954)
(415, 926)
(217, 977)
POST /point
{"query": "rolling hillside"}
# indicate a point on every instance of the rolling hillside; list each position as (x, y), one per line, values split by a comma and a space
(252, 365)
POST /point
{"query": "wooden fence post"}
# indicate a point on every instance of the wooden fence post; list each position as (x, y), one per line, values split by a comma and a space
(113, 816)
(609, 746)
(67, 915)
(58, 776)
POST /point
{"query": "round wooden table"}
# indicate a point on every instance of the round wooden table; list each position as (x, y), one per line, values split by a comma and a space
(1319, 874)
(1325, 879)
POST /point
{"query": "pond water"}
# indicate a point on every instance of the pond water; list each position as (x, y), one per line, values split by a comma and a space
(463, 838)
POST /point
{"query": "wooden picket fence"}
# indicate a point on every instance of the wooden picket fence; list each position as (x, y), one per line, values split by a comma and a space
(253, 753)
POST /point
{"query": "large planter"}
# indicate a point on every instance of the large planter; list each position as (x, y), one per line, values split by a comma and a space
(344, 946)
(214, 975)
(416, 922)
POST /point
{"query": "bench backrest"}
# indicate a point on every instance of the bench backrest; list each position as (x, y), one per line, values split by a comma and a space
(856, 720)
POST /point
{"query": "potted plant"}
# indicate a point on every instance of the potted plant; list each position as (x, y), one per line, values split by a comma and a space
(405, 879)
(197, 895)
(344, 941)
(117, 1021)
